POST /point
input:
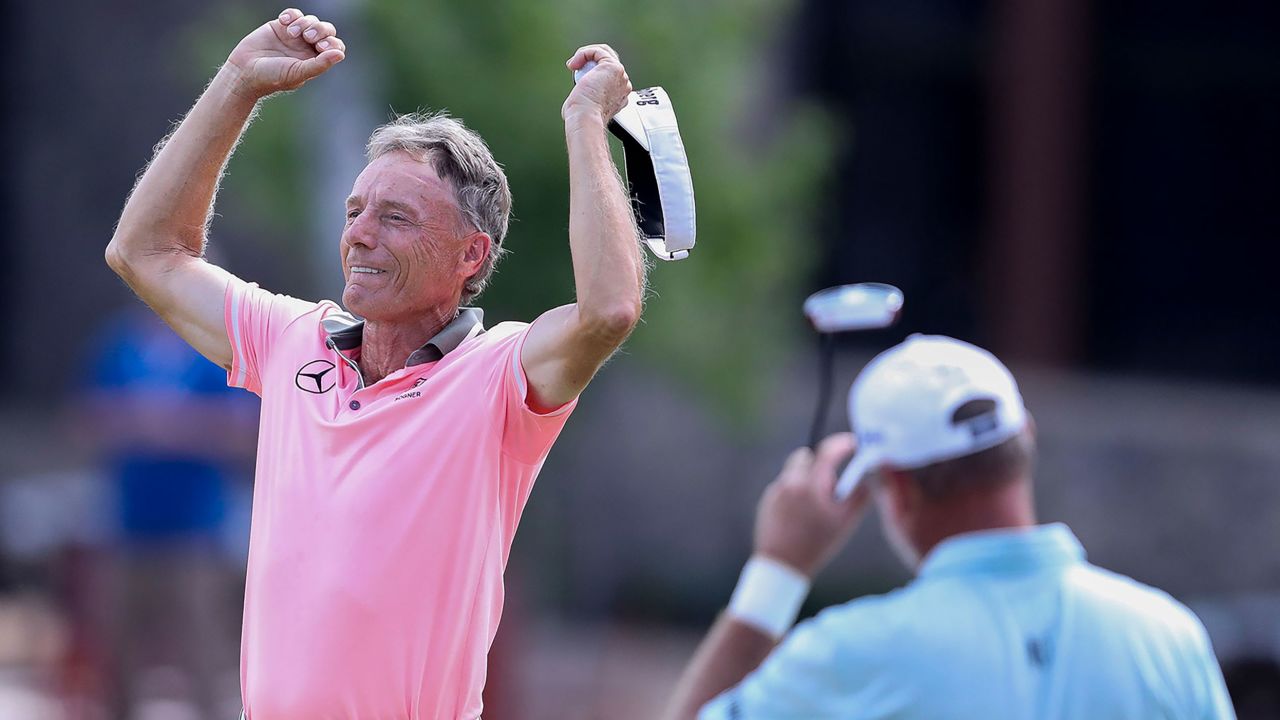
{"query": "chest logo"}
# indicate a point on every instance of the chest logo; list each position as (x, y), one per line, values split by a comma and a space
(412, 393)
(316, 377)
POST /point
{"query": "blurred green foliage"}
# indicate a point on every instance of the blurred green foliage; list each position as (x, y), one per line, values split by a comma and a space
(715, 322)
(265, 175)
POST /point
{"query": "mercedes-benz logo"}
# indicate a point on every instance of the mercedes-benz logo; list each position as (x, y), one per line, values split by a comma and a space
(314, 377)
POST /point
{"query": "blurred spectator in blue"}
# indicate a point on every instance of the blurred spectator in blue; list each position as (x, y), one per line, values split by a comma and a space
(174, 443)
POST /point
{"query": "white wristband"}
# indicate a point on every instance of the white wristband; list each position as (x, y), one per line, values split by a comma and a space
(769, 595)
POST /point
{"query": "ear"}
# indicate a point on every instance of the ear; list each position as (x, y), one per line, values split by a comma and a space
(475, 252)
(904, 494)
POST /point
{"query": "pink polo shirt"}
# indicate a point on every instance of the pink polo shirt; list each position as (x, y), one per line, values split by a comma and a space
(382, 516)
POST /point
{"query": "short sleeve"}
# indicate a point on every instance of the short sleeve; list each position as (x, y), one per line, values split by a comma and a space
(255, 318)
(527, 436)
(832, 666)
(1209, 689)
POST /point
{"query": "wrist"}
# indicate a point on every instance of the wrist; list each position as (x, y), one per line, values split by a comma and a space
(798, 557)
(230, 79)
(584, 119)
(769, 595)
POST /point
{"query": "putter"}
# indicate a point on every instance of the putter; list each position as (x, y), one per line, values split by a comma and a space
(841, 309)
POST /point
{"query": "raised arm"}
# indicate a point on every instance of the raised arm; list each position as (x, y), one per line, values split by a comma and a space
(158, 246)
(567, 345)
(799, 528)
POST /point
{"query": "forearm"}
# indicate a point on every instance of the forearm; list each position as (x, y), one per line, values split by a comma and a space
(727, 655)
(168, 210)
(608, 270)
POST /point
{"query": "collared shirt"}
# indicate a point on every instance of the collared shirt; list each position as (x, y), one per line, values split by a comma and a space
(346, 333)
(998, 624)
(383, 514)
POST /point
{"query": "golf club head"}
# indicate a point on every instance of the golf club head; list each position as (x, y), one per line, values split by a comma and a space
(861, 306)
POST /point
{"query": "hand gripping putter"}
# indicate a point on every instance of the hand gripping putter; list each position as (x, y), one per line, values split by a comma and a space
(846, 308)
(658, 178)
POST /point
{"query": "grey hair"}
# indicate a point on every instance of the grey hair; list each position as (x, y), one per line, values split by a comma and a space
(459, 156)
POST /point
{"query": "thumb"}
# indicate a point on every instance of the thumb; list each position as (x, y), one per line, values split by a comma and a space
(316, 66)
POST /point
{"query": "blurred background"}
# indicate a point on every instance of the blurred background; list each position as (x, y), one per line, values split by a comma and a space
(1086, 188)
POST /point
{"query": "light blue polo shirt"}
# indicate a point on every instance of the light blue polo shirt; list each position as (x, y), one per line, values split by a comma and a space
(998, 624)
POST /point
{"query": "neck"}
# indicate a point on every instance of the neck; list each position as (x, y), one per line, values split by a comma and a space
(387, 344)
(1004, 507)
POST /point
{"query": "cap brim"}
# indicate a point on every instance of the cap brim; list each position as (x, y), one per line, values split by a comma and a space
(861, 464)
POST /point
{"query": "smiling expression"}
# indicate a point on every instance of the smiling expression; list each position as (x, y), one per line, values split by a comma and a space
(407, 249)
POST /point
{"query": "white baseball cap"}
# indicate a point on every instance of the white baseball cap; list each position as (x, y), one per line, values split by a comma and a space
(902, 406)
(658, 178)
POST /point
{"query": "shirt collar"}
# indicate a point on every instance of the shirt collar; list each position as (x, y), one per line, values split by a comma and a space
(347, 333)
(1012, 550)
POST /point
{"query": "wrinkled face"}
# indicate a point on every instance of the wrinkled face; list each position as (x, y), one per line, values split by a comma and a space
(406, 248)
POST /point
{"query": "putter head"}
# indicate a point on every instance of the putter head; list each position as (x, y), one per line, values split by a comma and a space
(861, 306)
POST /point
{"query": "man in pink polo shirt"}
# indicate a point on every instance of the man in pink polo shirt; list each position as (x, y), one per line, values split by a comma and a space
(396, 452)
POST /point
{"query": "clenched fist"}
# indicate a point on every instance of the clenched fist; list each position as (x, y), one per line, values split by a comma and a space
(603, 90)
(285, 53)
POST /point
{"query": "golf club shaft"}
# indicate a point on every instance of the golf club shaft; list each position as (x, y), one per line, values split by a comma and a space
(826, 356)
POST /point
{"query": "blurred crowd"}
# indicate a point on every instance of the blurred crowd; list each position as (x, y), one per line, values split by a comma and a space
(123, 581)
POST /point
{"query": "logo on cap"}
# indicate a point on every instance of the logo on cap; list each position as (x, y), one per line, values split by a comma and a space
(870, 437)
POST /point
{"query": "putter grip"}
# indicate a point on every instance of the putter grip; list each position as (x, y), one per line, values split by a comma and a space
(577, 74)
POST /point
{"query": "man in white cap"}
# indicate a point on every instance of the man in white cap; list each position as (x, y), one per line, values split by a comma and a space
(1005, 618)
